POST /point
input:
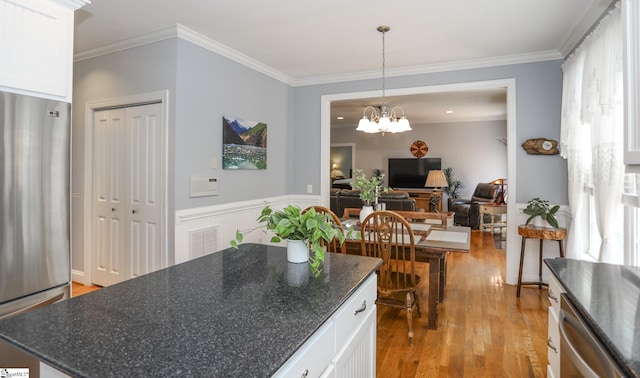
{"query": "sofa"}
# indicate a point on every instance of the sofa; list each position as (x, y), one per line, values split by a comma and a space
(467, 211)
(340, 199)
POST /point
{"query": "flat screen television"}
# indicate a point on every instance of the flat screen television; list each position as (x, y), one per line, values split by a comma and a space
(405, 173)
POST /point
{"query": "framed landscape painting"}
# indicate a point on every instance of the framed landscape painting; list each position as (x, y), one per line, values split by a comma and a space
(244, 144)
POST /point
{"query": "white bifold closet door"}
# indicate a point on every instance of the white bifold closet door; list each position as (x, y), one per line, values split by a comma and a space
(127, 193)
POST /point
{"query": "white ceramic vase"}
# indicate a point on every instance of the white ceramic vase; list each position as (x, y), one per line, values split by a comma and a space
(539, 222)
(366, 210)
(297, 251)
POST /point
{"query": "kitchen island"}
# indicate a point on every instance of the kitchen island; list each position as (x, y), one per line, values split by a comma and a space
(235, 313)
(607, 299)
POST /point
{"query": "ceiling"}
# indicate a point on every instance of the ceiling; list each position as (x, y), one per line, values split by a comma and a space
(305, 42)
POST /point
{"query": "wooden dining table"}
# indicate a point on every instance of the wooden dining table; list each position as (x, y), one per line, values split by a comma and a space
(434, 241)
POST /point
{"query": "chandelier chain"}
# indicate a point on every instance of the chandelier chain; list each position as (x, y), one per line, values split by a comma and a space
(383, 70)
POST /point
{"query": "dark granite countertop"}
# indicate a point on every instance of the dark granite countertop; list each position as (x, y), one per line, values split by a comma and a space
(608, 299)
(239, 313)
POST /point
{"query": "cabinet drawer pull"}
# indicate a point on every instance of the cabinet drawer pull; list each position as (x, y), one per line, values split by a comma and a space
(550, 345)
(305, 374)
(362, 308)
(552, 295)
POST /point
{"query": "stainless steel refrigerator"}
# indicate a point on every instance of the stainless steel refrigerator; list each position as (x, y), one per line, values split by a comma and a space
(34, 202)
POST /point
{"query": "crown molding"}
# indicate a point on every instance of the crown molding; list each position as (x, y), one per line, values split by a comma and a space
(179, 31)
(588, 22)
(437, 67)
(72, 4)
(218, 48)
(161, 34)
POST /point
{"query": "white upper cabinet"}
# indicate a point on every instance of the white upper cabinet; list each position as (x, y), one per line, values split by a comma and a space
(631, 14)
(36, 43)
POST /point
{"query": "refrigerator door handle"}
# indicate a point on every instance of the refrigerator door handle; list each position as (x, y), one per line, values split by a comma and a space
(34, 306)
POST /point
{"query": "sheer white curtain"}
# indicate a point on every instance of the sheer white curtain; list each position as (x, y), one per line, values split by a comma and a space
(592, 134)
(573, 135)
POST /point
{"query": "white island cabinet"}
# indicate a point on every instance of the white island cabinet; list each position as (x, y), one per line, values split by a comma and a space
(345, 346)
(233, 313)
(553, 340)
(36, 40)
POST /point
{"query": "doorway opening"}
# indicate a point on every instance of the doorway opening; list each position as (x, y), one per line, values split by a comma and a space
(510, 86)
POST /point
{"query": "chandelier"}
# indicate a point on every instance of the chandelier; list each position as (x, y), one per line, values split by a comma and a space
(381, 120)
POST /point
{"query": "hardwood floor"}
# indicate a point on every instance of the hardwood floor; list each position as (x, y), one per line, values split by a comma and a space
(79, 289)
(483, 330)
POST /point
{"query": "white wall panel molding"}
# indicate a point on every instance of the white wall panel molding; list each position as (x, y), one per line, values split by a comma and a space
(226, 219)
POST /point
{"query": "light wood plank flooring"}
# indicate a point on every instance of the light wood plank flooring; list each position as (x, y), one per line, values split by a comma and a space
(483, 330)
(79, 289)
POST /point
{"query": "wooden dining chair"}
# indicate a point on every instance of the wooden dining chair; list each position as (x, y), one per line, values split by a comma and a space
(335, 245)
(387, 235)
(434, 218)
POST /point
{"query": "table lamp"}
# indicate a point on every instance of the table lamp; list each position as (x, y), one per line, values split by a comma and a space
(436, 180)
(503, 194)
(335, 172)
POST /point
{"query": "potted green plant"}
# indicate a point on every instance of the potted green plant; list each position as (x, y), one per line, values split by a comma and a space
(455, 185)
(301, 229)
(537, 207)
(369, 189)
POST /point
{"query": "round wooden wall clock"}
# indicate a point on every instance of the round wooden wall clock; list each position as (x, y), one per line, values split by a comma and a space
(419, 148)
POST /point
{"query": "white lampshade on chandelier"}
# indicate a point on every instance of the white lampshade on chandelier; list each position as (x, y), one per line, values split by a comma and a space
(381, 120)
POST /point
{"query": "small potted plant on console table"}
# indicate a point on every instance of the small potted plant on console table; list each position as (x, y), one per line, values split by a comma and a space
(541, 213)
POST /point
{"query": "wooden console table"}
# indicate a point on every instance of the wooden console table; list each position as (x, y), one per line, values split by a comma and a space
(542, 233)
(492, 209)
(424, 198)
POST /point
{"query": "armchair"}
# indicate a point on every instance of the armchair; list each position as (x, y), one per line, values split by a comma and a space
(467, 211)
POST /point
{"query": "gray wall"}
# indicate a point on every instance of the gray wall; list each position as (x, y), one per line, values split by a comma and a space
(538, 101)
(144, 69)
(208, 87)
(470, 148)
(341, 156)
(203, 86)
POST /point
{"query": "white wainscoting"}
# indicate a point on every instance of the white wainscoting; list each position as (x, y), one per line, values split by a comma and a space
(204, 230)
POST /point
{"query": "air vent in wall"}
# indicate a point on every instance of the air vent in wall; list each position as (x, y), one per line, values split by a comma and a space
(203, 241)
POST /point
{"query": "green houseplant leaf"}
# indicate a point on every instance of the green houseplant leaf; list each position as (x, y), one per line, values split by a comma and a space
(293, 224)
(537, 207)
(369, 187)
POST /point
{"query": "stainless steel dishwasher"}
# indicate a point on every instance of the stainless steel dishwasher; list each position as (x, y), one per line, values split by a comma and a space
(581, 353)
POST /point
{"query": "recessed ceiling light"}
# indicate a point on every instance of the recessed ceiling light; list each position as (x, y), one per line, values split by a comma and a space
(340, 117)
(449, 112)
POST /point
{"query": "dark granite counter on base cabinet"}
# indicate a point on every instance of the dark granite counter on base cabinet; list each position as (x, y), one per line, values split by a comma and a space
(235, 313)
(607, 297)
